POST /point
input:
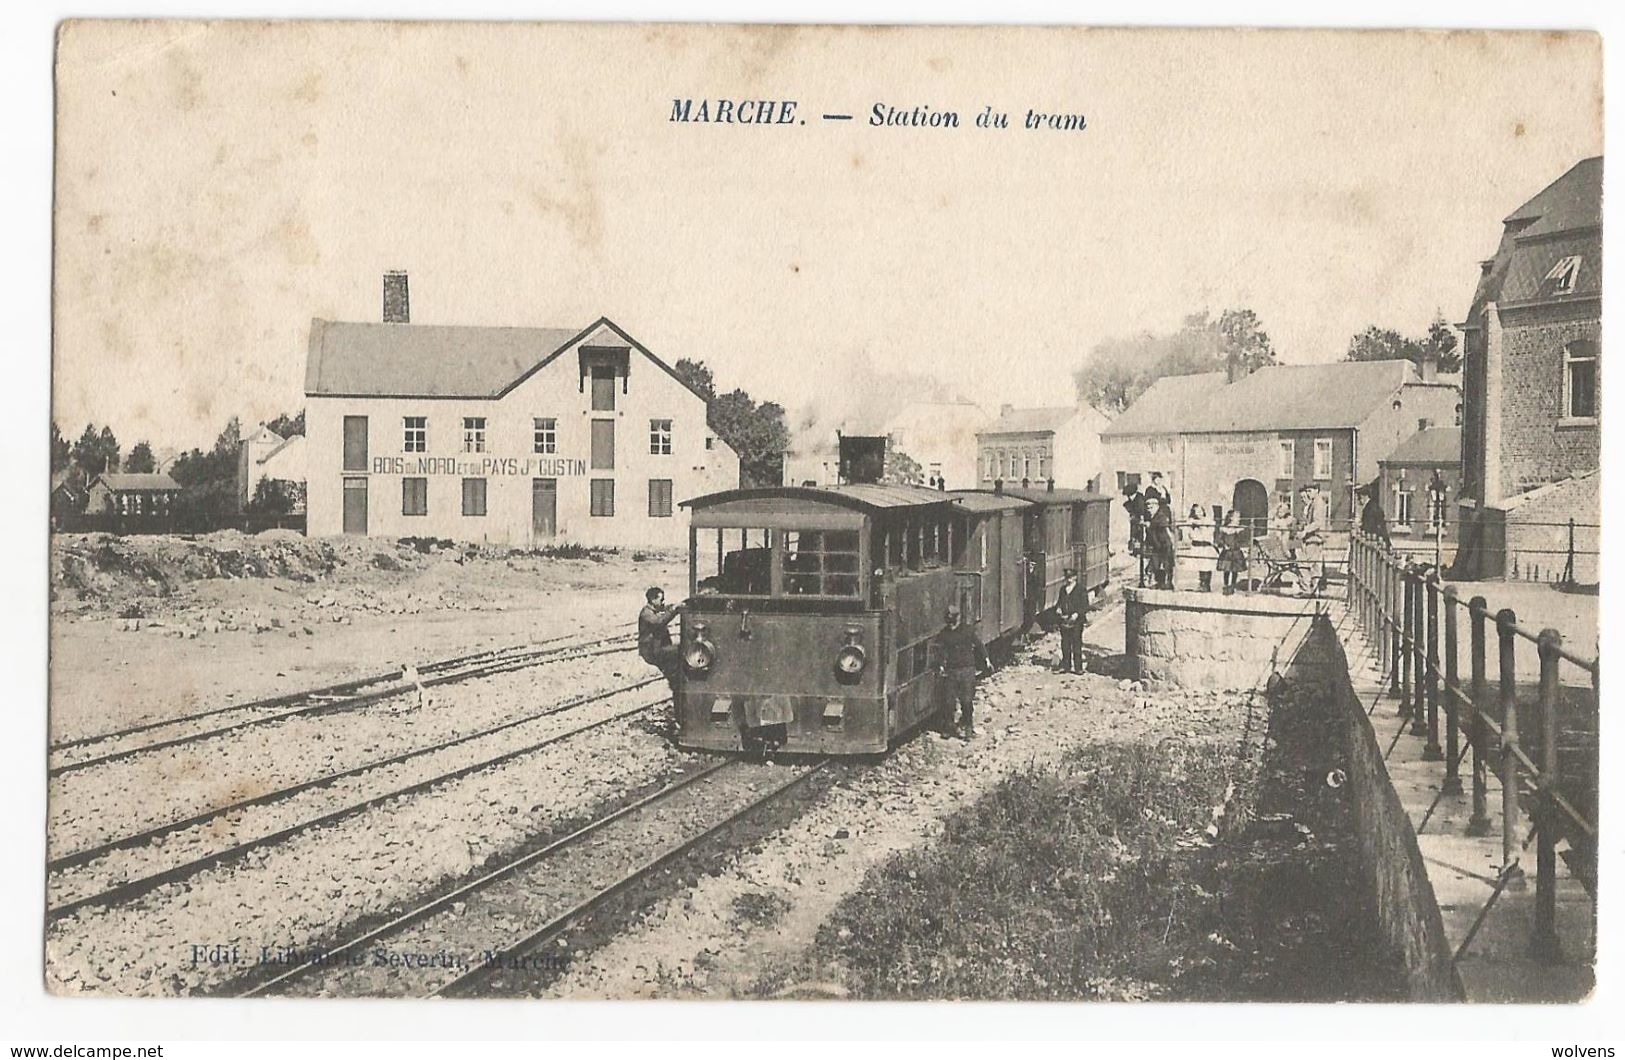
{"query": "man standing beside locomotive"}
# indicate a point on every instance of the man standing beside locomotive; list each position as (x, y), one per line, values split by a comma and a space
(961, 659)
(1072, 610)
(654, 635)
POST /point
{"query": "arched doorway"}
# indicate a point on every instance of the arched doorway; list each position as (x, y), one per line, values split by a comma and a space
(1251, 502)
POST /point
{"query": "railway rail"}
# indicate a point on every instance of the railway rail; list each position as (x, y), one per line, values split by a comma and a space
(457, 942)
(131, 888)
(347, 695)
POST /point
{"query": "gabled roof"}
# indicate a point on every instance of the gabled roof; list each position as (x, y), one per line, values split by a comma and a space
(262, 431)
(1166, 404)
(1431, 445)
(438, 360)
(283, 444)
(1023, 421)
(126, 483)
(1280, 397)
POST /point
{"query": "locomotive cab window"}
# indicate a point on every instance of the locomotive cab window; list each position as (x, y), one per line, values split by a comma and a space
(820, 563)
(733, 561)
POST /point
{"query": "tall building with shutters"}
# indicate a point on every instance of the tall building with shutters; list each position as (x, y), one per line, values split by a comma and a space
(519, 436)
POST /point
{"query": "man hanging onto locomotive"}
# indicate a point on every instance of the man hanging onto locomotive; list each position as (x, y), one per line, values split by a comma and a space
(654, 636)
(961, 660)
(1072, 611)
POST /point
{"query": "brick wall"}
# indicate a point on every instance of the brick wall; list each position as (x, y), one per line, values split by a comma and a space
(1534, 449)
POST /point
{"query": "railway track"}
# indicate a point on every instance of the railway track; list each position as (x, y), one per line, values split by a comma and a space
(490, 933)
(85, 752)
(217, 821)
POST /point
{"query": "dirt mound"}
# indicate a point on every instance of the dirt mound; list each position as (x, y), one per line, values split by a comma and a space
(108, 567)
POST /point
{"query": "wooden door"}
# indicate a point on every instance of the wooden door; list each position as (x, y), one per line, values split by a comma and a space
(544, 508)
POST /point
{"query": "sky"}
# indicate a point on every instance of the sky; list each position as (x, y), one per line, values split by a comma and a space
(219, 185)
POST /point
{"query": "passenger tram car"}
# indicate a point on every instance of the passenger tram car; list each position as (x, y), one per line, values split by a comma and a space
(811, 610)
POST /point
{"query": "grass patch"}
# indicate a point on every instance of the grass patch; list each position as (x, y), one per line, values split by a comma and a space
(1065, 883)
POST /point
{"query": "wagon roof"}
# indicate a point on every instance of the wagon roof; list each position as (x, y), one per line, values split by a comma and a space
(975, 501)
(1062, 496)
(865, 497)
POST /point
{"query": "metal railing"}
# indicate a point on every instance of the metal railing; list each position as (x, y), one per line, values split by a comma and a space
(1414, 620)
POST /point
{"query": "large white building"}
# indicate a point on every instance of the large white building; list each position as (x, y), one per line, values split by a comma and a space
(523, 436)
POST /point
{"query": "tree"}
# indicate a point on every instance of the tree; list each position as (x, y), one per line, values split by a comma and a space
(140, 461)
(697, 376)
(1243, 340)
(61, 449)
(756, 432)
(109, 447)
(1441, 342)
(1117, 371)
(1386, 344)
(288, 426)
(95, 452)
(271, 497)
(1383, 344)
(900, 468)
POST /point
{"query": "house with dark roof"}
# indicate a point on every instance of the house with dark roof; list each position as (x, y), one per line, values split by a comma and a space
(513, 435)
(1532, 397)
(1245, 441)
(1409, 477)
(1029, 446)
(132, 496)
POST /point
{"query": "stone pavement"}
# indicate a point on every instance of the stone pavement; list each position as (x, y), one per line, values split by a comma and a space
(1493, 953)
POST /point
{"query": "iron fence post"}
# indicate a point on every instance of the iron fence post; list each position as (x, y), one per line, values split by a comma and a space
(1452, 711)
(1430, 670)
(1477, 731)
(1395, 621)
(1407, 633)
(1544, 944)
(1505, 621)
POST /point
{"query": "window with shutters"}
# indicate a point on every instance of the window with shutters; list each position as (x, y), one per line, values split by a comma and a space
(414, 496)
(660, 498)
(473, 496)
(603, 388)
(603, 497)
(355, 443)
(603, 445)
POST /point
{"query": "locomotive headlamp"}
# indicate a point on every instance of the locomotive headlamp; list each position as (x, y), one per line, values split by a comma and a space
(851, 659)
(700, 654)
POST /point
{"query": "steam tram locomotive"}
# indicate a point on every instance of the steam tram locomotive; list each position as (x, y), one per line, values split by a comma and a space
(811, 610)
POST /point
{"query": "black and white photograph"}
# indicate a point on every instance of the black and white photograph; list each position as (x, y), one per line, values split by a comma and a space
(792, 513)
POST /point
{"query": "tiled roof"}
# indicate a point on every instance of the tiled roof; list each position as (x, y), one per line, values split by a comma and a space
(1432, 445)
(121, 483)
(433, 360)
(1279, 397)
(423, 360)
(1563, 220)
(1166, 403)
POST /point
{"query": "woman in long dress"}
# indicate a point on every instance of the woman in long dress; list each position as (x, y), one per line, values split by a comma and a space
(1196, 537)
(1231, 541)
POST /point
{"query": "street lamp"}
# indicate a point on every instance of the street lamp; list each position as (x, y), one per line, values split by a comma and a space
(1436, 498)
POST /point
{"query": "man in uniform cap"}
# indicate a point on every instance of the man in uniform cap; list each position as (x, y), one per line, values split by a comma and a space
(961, 659)
(1072, 609)
(654, 635)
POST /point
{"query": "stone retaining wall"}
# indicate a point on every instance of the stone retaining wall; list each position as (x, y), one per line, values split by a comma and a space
(1209, 640)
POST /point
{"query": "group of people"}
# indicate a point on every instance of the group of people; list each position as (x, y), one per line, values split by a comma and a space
(1158, 540)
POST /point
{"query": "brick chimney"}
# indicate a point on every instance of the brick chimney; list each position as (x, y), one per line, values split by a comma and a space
(397, 306)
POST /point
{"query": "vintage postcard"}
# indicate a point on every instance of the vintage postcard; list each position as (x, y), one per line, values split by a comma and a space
(675, 511)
